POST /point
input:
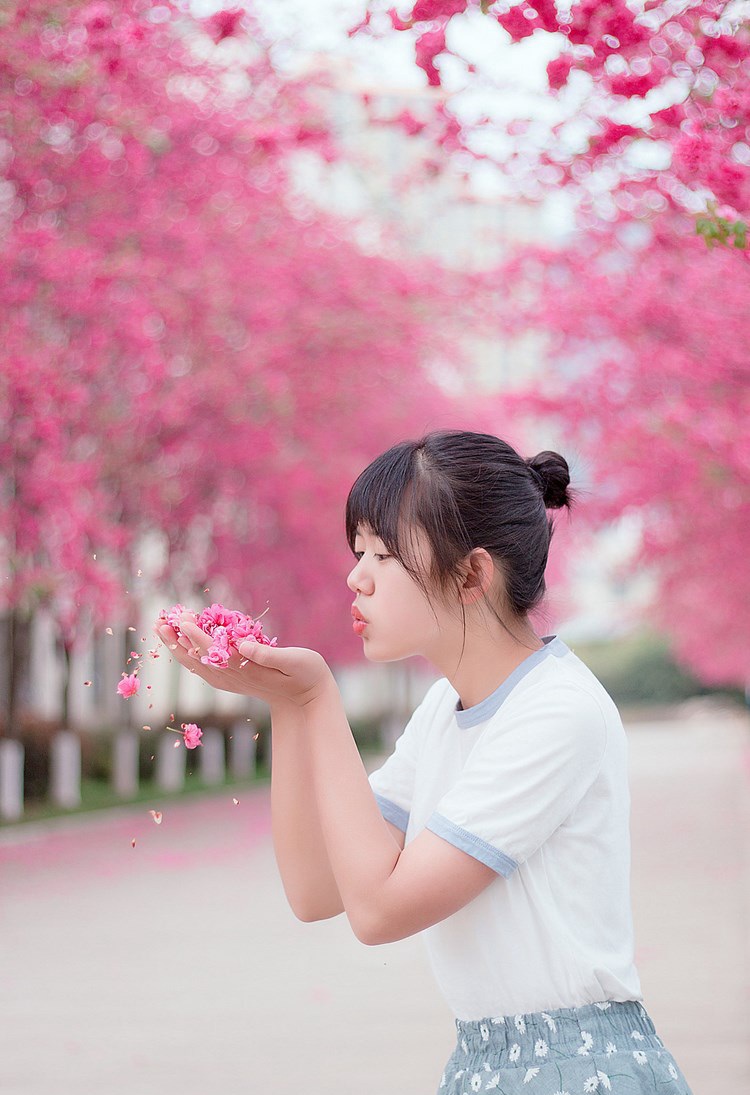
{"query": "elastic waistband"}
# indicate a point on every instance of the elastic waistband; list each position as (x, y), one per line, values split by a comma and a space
(528, 1039)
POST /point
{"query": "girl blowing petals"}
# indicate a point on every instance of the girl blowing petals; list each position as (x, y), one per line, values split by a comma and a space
(499, 826)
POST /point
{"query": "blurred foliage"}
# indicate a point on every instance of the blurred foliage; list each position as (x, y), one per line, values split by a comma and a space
(640, 669)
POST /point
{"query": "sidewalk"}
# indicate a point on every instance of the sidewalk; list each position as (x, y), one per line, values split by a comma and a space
(176, 968)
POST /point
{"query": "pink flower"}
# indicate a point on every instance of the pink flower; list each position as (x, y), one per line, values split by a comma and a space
(192, 735)
(216, 655)
(128, 686)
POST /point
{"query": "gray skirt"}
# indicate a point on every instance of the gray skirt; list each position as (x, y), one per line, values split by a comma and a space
(604, 1047)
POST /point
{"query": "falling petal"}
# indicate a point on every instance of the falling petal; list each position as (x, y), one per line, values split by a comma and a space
(131, 629)
(255, 737)
(134, 654)
(148, 687)
(87, 684)
(171, 718)
(140, 573)
(109, 630)
(156, 815)
(150, 706)
(152, 758)
(132, 843)
(177, 745)
(146, 727)
(173, 647)
(236, 801)
(205, 590)
(243, 664)
(95, 555)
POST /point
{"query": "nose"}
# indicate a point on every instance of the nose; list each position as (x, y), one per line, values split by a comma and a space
(359, 581)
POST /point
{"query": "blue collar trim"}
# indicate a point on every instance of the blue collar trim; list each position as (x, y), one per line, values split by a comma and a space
(480, 712)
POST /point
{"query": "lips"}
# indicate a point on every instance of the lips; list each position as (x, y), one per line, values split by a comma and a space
(359, 623)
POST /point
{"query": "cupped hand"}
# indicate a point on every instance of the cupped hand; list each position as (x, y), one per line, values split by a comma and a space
(272, 674)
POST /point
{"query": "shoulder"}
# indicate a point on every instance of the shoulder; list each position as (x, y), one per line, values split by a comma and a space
(562, 703)
(440, 696)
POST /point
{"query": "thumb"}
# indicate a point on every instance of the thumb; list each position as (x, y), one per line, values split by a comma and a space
(260, 653)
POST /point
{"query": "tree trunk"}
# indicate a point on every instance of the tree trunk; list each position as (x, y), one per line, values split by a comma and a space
(17, 649)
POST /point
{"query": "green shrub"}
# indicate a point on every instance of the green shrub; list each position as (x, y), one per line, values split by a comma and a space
(640, 669)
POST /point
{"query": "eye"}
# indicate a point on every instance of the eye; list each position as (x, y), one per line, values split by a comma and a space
(381, 556)
(358, 555)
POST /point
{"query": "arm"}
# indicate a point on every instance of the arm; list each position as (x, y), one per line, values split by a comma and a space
(299, 847)
(298, 841)
(388, 893)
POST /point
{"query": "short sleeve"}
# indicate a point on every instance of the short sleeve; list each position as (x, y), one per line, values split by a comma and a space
(527, 773)
(393, 782)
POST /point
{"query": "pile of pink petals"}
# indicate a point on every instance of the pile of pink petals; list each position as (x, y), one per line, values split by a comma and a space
(227, 629)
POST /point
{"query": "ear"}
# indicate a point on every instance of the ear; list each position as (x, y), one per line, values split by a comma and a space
(478, 576)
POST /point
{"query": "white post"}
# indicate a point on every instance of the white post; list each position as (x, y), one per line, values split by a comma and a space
(170, 763)
(242, 751)
(211, 754)
(11, 779)
(125, 764)
(65, 770)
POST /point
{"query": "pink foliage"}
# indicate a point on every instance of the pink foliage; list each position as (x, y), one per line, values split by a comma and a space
(697, 54)
(649, 380)
(188, 350)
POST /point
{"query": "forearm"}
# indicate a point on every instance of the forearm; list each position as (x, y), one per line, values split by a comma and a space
(362, 851)
(299, 845)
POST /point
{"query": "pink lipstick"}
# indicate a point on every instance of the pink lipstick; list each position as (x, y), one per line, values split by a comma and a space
(359, 623)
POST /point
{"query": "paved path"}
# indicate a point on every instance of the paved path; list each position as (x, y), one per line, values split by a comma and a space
(176, 968)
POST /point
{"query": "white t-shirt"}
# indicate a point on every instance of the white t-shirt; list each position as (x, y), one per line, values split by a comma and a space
(533, 782)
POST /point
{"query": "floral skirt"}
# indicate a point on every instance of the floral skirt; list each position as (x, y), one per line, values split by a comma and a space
(603, 1047)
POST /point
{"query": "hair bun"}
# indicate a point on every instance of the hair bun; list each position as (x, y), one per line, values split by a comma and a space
(554, 478)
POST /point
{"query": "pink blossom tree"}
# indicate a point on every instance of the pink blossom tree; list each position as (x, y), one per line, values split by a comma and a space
(654, 99)
(648, 377)
(188, 348)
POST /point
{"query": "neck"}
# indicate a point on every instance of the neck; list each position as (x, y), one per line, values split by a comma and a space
(490, 654)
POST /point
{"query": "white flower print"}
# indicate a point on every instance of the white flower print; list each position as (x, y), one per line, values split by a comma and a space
(591, 1084)
(459, 1074)
(476, 1082)
(640, 1056)
(493, 1083)
(442, 1082)
(464, 1046)
(550, 1022)
(484, 1030)
(588, 1042)
(514, 1052)
(603, 1005)
(530, 1074)
(638, 1036)
(487, 1067)
(604, 1079)
(643, 1011)
(673, 1071)
(521, 1024)
(561, 1093)
(541, 1049)
(498, 1020)
(611, 1048)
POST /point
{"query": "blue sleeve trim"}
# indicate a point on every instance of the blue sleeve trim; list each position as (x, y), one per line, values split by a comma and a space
(393, 813)
(474, 845)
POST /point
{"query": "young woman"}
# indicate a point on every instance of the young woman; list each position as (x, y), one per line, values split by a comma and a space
(499, 826)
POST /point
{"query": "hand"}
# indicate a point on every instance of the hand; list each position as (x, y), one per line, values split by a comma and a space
(275, 675)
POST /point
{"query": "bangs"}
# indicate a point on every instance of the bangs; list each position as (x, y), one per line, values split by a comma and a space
(376, 501)
(400, 495)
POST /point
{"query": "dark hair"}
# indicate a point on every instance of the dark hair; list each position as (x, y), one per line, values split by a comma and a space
(465, 491)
